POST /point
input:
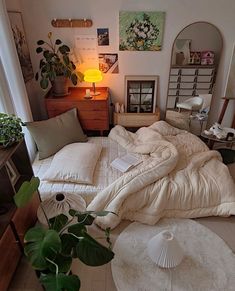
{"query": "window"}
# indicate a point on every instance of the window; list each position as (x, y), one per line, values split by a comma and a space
(140, 92)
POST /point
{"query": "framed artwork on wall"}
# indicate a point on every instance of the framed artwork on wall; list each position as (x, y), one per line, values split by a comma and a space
(141, 31)
(108, 63)
(21, 44)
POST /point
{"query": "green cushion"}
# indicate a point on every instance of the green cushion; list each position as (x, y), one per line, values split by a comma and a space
(53, 134)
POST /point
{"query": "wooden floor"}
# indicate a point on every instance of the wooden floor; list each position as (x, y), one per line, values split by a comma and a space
(92, 278)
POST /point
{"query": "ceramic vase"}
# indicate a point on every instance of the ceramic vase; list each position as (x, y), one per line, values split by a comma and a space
(164, 250)
(117, 107)
(122, 108)
(60, 203)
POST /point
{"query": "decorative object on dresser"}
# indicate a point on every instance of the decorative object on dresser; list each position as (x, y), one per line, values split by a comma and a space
(141, 93)
(93, 114)
(56, 67)
(93, 76)
(207, 58)
(13, 222)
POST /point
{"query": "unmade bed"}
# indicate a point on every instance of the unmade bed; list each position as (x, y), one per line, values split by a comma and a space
(179, 177)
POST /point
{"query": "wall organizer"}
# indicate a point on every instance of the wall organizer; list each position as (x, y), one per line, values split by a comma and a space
(71, 22)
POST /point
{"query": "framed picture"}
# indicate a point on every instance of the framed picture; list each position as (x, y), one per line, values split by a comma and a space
(141, 31)
(12, 171)
(21, 44)
(108, 63)
(103, 36)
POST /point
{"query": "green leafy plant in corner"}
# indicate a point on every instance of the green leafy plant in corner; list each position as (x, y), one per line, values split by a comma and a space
(51, 250)
(55, 62)
(10, 129)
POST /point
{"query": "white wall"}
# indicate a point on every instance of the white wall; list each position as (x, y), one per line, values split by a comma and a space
(104, 13)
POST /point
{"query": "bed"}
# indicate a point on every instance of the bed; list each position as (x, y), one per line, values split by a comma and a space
(176, 179)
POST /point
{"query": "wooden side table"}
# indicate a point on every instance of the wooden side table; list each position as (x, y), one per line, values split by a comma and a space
(211, 139)
(93, 113)
(136, 119)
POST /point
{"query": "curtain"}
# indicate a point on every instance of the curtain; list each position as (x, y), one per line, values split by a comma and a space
(14, 97)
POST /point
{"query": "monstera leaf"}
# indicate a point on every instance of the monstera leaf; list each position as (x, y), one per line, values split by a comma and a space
(60, 282)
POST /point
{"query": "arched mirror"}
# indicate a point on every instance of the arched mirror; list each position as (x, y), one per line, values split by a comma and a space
(195, 58)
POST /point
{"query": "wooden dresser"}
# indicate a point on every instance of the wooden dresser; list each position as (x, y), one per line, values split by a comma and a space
(93, 113)
(15, 168)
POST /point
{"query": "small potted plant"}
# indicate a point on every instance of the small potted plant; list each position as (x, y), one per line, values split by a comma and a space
(10, 129)
(55, 67)
(51, 250)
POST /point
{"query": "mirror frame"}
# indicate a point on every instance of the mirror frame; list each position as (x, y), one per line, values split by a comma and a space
(172, 47)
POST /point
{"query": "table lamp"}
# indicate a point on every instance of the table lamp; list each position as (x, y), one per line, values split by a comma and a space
(164, 250)
(93, 76)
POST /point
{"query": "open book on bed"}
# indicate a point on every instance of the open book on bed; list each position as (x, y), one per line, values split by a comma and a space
(126, 162)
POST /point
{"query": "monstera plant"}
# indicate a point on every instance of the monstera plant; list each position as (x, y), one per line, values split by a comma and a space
(51, 250)
(56, 67)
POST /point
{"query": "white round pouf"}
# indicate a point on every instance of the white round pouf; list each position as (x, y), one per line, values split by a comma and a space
(208, 263)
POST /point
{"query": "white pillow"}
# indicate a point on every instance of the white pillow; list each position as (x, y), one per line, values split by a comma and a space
(74, 163)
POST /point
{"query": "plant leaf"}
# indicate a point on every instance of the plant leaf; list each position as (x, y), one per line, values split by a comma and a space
(92, 253)
(74, 79)
(41, 244)
(58, 41)
(60, 282)
(58, 222)
(44, 83)
(63, 263)
(64, 49)
(77, 229)
(40, 42)
(36, 76)
(69, 243)
(26, 191)
(66, 59)
(39, 50)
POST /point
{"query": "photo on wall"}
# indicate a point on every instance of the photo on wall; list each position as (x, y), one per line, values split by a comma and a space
(141, 31)
(108, 63)
(103, 36)
(21, 44)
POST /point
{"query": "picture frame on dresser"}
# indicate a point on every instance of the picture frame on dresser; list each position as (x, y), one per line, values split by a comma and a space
(12, 171)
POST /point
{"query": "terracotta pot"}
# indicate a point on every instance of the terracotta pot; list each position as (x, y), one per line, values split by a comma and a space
(60, 86)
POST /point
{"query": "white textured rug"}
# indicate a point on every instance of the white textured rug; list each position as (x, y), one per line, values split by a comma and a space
(208, 264)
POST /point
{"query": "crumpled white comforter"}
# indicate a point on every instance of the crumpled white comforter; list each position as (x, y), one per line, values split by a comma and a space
(179, 177)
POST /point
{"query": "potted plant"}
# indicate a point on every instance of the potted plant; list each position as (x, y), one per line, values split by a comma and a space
(51, 250)
(10, 129)
(55, 67)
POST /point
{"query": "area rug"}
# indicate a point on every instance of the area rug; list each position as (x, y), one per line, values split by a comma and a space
(208, 264)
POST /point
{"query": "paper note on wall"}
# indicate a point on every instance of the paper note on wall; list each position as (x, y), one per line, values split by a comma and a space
(87, 47)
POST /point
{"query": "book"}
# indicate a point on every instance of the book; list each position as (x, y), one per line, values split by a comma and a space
(126, 162)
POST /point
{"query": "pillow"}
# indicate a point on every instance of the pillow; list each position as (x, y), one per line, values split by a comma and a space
(53, 134)
(74, 163)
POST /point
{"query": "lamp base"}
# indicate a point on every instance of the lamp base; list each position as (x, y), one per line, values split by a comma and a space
(95, 93)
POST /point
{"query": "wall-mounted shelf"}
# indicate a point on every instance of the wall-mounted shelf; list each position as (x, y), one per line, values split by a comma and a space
(71, 22)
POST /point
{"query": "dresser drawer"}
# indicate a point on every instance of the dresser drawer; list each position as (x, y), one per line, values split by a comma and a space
(95, 124)
(187, 78)
(10, 255)
(80, 105)
(99, 115)
(188, 71)
(205, 71)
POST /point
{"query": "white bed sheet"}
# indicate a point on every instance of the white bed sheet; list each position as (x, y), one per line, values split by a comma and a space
(104, 174)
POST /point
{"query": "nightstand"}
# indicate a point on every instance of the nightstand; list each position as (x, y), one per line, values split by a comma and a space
(93, 113)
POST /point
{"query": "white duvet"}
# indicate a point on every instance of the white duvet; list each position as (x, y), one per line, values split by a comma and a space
(179, 177)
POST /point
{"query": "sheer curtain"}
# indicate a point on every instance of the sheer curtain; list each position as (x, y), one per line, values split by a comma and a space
(13, 94)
